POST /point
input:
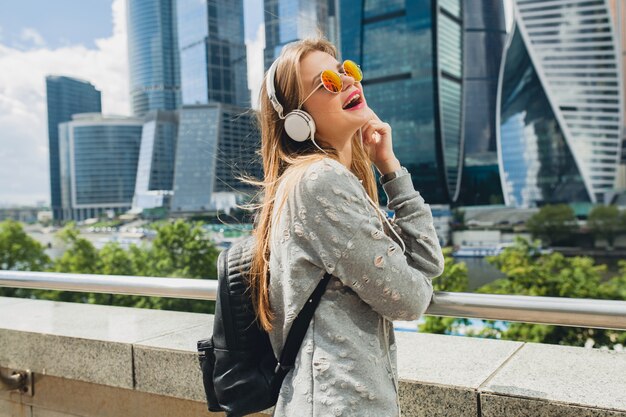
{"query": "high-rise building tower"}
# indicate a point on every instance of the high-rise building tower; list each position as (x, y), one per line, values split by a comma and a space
(65, 96)
(289, 20)
(153, 55)
(411, 53)
(484, 36)
(212, 52)
(98, 164)
(560, 104)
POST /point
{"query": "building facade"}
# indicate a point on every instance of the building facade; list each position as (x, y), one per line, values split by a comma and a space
(212, 52)
(618, 9)
(289, 20)
(414, 83)
(155, 169)
(153, 55)
(65, 96)
(98, 161)
(216, 143)
(560, 104)
(484, 35)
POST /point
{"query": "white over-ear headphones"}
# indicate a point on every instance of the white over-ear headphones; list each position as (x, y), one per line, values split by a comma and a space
(299, 125)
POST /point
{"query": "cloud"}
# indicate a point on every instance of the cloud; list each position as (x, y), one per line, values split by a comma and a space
(31, 35)
(24, 175)
(256, 68)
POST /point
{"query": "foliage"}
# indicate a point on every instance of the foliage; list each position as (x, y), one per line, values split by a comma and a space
(454, 278)
(605, 222)
(553, 223)
(552, 275)
(19, 252)
(179, 250)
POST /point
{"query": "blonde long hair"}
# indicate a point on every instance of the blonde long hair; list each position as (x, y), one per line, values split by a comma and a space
(280, 154)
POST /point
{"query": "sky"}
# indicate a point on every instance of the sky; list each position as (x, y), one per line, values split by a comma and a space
(78, 38)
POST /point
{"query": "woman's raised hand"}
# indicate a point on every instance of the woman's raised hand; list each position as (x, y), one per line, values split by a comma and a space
(378, 144)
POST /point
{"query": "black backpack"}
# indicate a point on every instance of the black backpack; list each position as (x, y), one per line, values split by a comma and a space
(240, 373)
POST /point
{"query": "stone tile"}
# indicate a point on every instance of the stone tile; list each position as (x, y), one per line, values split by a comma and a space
(70, 357)
(168, 372)
(498, 405)
(425, 400)
(418, 361)
(183, 340)
(4, 301)
(42, 412)
(566, 374)
(13, 409)
(92, 321)
(66, 396)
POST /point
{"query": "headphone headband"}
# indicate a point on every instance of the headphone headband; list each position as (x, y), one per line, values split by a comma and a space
(271, 90)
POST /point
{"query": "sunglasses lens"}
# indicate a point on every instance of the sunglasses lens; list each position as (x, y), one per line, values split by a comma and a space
(332, 81)
(352, 70)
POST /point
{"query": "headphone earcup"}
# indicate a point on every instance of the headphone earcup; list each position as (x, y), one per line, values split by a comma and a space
(299, 125)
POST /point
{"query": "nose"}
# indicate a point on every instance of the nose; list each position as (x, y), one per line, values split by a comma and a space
(347, 81)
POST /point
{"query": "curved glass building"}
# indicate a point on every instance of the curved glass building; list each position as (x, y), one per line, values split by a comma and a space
(153, 55)
(560, 104)
(411, 53)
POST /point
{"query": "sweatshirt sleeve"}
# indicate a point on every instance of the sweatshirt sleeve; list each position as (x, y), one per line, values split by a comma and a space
(340, 231)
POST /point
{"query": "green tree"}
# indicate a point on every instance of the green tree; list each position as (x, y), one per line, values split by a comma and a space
(605, 222)
(553, 223)
(454, 278)
(530, 273)
(19, 252)
(183, 249)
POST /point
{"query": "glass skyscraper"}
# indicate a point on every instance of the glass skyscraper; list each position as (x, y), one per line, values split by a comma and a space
(484, 35)
(411, 53)
(155, 169)
(216, 143)
(289, 20)
(65, 96)
(98, 162)
(212, 52)
(153, 55)
(561, 104)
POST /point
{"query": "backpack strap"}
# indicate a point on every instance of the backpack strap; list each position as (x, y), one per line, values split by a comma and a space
(299, 327)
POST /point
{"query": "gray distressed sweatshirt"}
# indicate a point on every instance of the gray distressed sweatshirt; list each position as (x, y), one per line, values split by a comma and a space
(347, 363)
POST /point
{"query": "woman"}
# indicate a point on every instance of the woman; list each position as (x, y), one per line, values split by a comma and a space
(320, 214)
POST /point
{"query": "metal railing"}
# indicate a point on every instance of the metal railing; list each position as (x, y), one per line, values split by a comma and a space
(578, 312)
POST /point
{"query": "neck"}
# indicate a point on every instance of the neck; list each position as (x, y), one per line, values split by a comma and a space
(345, 154)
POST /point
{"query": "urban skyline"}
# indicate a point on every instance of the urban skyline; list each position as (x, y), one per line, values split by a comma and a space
(451, 151)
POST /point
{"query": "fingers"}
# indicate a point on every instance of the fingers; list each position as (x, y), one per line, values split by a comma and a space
(374, 126)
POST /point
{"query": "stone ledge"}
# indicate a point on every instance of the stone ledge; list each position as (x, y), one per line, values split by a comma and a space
(153, 352)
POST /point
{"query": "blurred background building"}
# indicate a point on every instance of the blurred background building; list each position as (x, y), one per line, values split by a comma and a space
(289, 20)
(65, 96)
(214, 66)
(153, 56)
(561, 104)
(155, 169)
(98, 156)
(484, 36)
(216, 143)
(411, 54)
